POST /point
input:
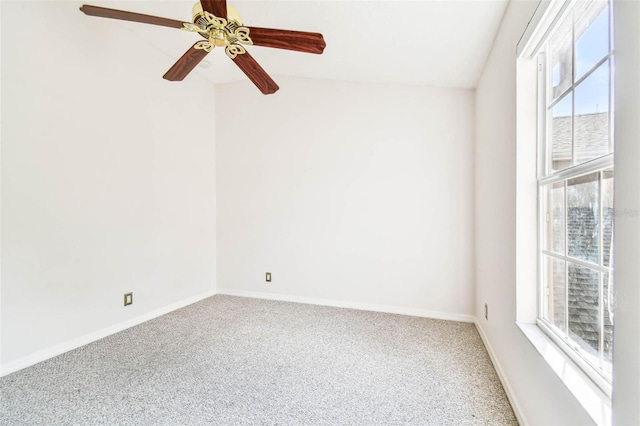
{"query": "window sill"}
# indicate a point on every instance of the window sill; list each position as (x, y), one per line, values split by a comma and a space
(595, 402)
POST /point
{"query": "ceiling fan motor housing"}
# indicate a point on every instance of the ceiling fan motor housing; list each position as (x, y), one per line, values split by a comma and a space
(217, 37)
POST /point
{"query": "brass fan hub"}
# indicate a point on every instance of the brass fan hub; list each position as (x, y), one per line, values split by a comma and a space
(218, 38)
(228, 33)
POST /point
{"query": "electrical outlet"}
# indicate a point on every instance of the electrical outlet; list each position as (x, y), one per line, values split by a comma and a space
(128, 299)
(486, 311)
(268, 277)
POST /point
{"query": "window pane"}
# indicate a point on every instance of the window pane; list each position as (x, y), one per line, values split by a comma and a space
(607, 301)
(561, 65)
(591, 122)
(592, 36)
(583, 217)
(554, 217)
(584, 312)
(555, 283)
(561, 134)
(607, 217)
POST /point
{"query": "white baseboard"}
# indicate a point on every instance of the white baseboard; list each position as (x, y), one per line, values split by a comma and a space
(61, 348)
(351, 305)
(502, 376)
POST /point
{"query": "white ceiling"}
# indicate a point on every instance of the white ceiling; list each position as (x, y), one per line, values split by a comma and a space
(438, 43)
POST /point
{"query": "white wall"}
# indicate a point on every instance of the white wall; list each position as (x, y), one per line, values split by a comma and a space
(108, 181)
(360, 193)
(542, 398)
(626, 347)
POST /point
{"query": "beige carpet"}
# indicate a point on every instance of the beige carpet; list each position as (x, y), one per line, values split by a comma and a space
(229, 360)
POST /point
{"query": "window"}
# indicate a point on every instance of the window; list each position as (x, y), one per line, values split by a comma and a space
(575, 186)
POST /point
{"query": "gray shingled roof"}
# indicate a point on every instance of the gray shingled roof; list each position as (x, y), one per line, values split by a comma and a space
(591, 136)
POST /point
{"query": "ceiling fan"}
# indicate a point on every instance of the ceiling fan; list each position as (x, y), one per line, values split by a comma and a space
(221, 26)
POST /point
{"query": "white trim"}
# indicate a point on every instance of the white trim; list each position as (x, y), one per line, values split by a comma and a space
(528, 37)
(594, 401)
(543, 21)
(591, 166)
(61, 348)
(350, 305)
(579, 262)
(511, 395)
(577, 355)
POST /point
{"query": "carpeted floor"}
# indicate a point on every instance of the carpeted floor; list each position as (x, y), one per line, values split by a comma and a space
(230, 360)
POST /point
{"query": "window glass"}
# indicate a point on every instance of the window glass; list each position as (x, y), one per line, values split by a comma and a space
(607, 302)
(554, 217)
(556, 291)
(561, 60)
(584, 312)
(607, 217)
(583, 218)
(591, 121)
(592, 36)
(561, 134)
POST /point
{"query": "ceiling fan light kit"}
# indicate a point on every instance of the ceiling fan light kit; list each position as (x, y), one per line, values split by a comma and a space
(221, 26)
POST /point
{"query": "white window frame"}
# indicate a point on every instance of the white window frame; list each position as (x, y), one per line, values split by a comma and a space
(555, 16)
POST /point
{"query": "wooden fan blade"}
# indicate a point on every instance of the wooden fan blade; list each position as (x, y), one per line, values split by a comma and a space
(185, 64)
(104, 12)
(300, 41)
(215, 7)
(256, 74)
